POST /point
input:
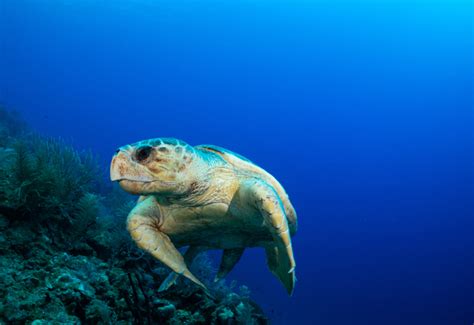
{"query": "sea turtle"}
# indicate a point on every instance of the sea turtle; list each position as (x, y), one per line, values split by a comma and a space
(204, 197)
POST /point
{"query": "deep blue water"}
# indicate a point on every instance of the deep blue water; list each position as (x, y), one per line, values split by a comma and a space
(362, 109)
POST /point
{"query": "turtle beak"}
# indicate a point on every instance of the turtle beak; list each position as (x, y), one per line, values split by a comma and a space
(123, 167)
(118, 166)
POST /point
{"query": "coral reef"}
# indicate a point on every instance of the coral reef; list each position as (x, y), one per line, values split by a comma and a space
(65, 256)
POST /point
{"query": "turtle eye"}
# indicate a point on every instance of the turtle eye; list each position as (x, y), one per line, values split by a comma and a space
(143, 153)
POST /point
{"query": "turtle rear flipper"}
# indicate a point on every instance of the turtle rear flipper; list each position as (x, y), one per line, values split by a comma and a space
(280, 255)
(230, 257)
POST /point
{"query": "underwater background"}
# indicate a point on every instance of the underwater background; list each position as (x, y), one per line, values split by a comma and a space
(363, 110)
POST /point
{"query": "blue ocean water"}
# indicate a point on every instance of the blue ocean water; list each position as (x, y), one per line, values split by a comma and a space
(362, 109)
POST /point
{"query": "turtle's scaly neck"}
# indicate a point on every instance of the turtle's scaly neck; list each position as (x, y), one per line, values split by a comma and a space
(211, 175)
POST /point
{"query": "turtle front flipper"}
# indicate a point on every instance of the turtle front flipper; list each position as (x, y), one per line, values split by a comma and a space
(189, 256)
(279, 267)
(279, 254)
(143, 225)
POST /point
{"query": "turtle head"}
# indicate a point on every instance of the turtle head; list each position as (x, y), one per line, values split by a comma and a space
(156, 166)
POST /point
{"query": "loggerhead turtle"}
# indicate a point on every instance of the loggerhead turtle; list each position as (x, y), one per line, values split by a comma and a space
(204, 197)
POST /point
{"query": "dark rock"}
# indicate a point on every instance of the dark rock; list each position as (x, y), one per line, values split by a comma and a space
(166, 311)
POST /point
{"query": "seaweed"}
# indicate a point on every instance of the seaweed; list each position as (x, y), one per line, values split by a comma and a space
(11, 125)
